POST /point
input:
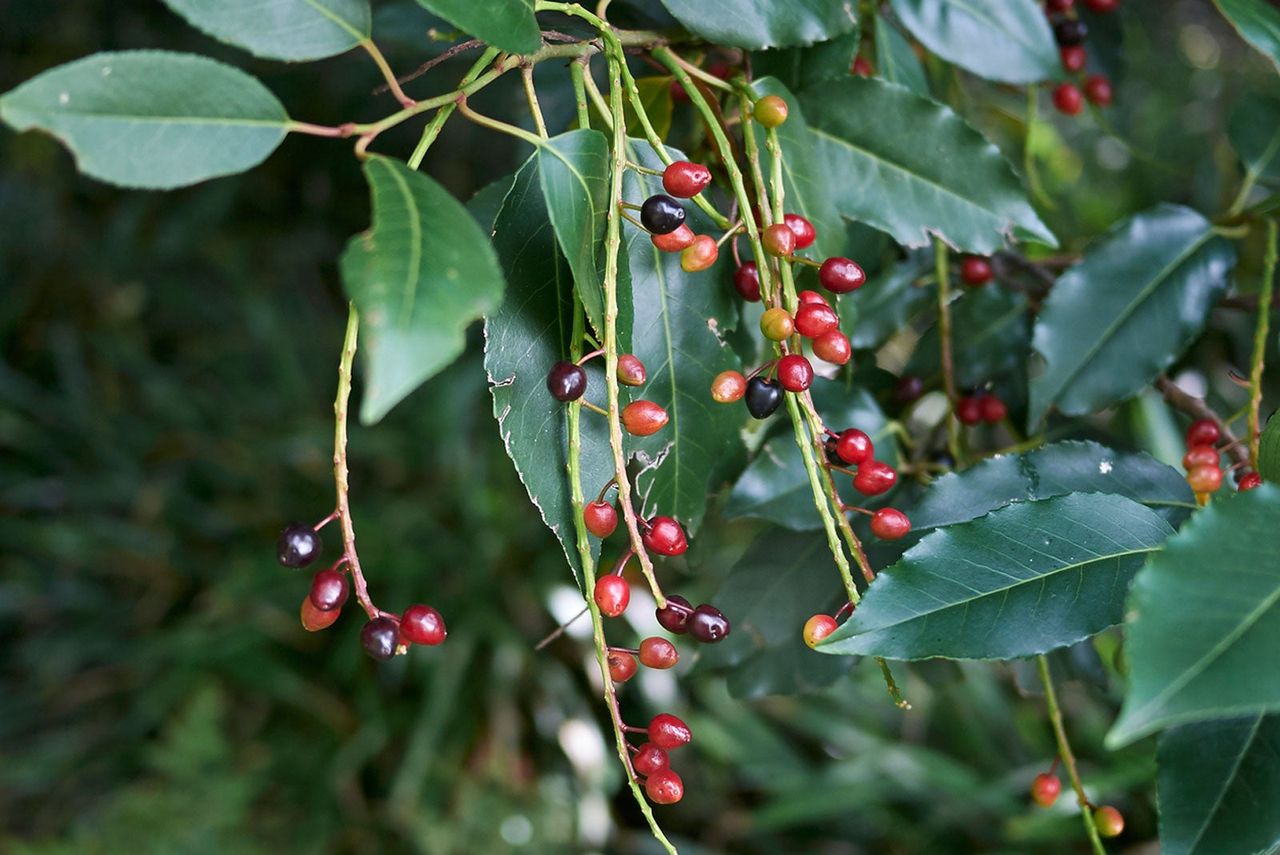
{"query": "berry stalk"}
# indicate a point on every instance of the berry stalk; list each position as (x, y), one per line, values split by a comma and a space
(1260, 344)
(433, 128)
(944, 338)
(1068, 758)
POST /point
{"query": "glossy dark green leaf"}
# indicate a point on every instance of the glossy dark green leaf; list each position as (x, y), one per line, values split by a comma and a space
(1255, 134)
(896, 62)
(804, 67)
(1121, 316)
(887, 302)
(291, 30)
(422, 273)
(1258, 23)
(508, 24)
(991, 336)
(1022, 580)
(759, 24)
(1054, 470)
(1219, 785)
(1204, 620)
(151, 119)
(1269, 451)
(1005, 40)
(523, 338)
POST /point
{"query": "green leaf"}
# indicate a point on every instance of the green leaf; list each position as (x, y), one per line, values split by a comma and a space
(523, 338)
(896, 62)
(293, 30)
(655, 96)
(151, 119)
(805, 67)
(1025, 579)
(1258, 23)
(1053, 470)
(1255, 134)
(1005, 40)
(759, 24)
(887, 302)
(508, 25)
(1269, 451)
(991, 338)
(419, 277)
(1219, 786)
(1121, 316)
(1204, 620)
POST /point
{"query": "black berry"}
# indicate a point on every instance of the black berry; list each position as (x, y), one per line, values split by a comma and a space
(763, 397)
(661, 214)
(566, 381)
(379, 638)
(298, 545)
(675, 617)
(1069, 32)
(708, 623)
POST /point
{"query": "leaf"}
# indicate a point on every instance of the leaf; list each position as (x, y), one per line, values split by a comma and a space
(991, 338)
(151, 119)
(1204, 621)
(508, 25)
(1005, 40)
(523, 338)
(896, 62)
(293, 30)
(887, 302)
(805, 67)
(897, 173)
(1025, 579)
(1258, 24)
(655, 97)
(419, 277)
(1219, 785)
(759, 24)
(1053, 470)
(1121, 316)
(1255, 134)
(1269, 451)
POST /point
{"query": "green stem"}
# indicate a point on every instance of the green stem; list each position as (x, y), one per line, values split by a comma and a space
(1260, 344)
(390, 76)
(580, 92)
(531, 95)
(944, 337)
(499, 126)
(432, 130)
(1068, 758)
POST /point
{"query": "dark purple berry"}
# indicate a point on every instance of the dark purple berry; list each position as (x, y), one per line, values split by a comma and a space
(708, 623)
(379, 638)
(763, 397)
(674, 619)
(661, 214)
(566, 381)
(298, 545)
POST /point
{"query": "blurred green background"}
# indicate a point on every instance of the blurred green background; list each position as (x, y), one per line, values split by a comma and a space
(167, 367)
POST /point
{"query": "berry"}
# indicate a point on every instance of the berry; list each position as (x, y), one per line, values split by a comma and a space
(729, 386)
(1045, 789)
(1098, 90)
(1203, 432)
(992, 409)
(612, 594)
(314, 620)
(806, 297)
(665, 537)
(566, 381)
(661, 214)
(908, 388)
(379, 638)
(1249, 481)
(329, 590)
(1073, 57)
(817, 628)
(861, 67)
(622, 666)
(1067, 99)
(975, 270)
(802, 229)
(874, 477)
(708, 623)
(969, 410)
(649, 759)
(664, 787)
(600, 518)
(829, 446)
(779, 240)
(854, 447)
(668, 732)
(1102, 7)
(658, 653)
(833, 347)
(1200, 455)
(770, 111)
(795, 373)
(1110, 822)
(685, 179)
(422, 625)
(643, 418)
(298, 545)
(674, 619)
(630, 370)
(1205, 479)
(814, 319)
(1069, 32)
(746, 280)
(763, 397)
(681, 238)
(777, 324)
(890, 524)
(1058, 5)
(841, 275)
(700, 254)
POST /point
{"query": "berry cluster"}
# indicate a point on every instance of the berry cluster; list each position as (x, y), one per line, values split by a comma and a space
(1203, 464)
(1045, 789)
(567, 381)
(1070, 32)
(981, 406)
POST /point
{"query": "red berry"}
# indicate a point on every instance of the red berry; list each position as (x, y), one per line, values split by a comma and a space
(802, 229)
(992, 409)
(841, 275)
(854, 447)
(770, 111)
(874, 477)
(1203, 432)
(975, 270)
(668, 732)
(817, 628)
(1073, 57)
(314, 620)
(658, 653)
(1067, 98)
(1205, 479)
(833, 347)
(969, 410)
(1200, 455)
(729, 386)
(329, 590)
(1098, 90)
(795, 373)
(643, 418)
(649, 759)
(778, 240)
(1110, 822)
(862, 68)
(612, 594)
(806, 297)
(665, 537)
(746, 281)
(699, 255)
(664, 787)
(908, 388)
(622, 666)
(1249, 481)
(777, 324)
(681, 238)
(630, 370)
(814, 319)
(1045, 789)
(890, 524)
(1102, 7)
(685, 179)
(600, 518)
(422, 625)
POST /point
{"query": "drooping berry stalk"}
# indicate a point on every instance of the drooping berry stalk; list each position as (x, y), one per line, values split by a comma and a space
(944, 346)
(1260, 344)
(1068, 758)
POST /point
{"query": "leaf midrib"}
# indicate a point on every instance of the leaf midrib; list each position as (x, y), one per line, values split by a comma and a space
(415, 244)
